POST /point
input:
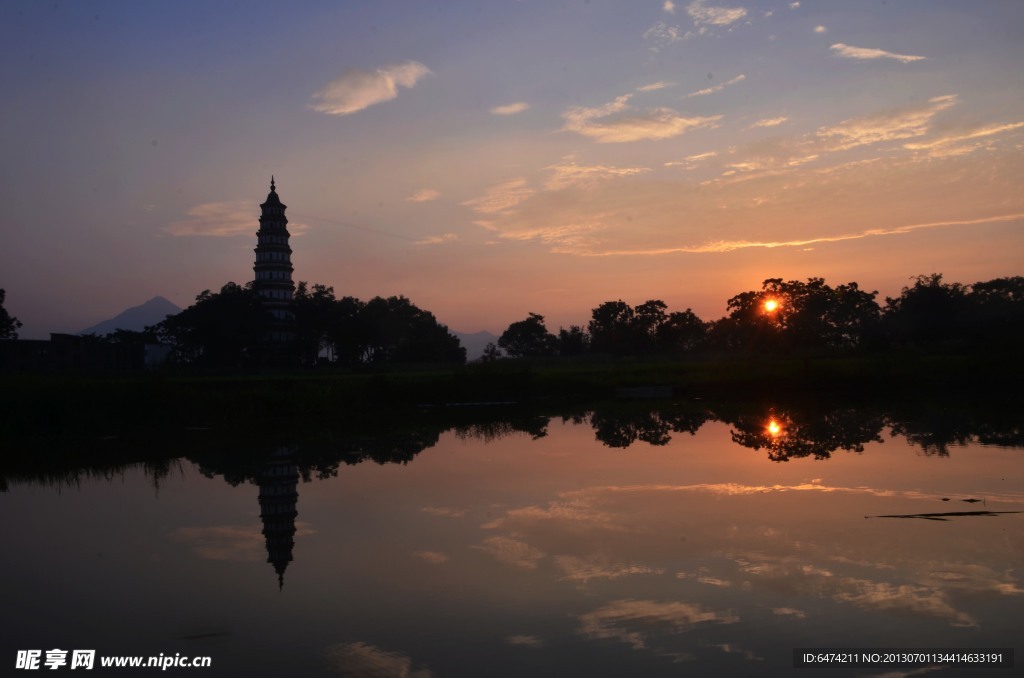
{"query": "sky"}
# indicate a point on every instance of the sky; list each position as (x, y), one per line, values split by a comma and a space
(492, 159)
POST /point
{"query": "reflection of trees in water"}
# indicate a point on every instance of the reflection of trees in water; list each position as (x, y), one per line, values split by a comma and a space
(238, 457)
(804, 433)
(72, 476)
(935, 430)
(535, 426)
(616, 428)
(933, 442)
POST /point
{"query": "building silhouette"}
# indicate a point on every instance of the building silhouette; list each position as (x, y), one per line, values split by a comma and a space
(273, 267)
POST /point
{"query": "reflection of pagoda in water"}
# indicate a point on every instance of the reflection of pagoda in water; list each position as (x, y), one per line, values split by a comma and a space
(278, 496)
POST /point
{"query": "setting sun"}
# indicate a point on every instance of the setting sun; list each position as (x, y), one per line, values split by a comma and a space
(771, 305)
(774, 429)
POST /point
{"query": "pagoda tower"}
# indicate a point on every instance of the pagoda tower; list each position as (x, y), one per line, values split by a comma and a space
(273, 267)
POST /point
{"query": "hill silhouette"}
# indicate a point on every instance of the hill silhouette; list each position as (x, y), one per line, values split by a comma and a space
(136, 318)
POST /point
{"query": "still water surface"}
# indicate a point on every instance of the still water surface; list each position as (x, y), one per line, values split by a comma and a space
(715, 550)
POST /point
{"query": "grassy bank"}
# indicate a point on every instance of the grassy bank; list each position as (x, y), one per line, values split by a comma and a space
(40, 405)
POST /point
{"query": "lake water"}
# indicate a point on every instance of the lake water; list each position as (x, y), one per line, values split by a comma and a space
(601, 544)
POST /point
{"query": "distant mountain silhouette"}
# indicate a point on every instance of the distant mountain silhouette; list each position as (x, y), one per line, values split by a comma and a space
(136, 318)
(474, 343)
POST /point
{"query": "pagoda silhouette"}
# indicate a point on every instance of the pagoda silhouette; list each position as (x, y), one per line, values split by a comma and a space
(273, 267)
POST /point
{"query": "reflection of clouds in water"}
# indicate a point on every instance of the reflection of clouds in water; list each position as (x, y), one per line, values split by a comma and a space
(603, 507)
(632, 621)
(972, 577)
(634, 528)
(731, 648)
(795, 578)
(580, 497)
(582, 571)
(905, 598)
(577, 511)
(230, 542)
(526, 641)
(362, 660)
(788, 612)
(433, 557)
(703, 577)
(512, 552)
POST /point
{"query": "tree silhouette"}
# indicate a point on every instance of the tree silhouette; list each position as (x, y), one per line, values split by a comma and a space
(682, 331)
(996, 313)
(9, 325)
(611, 327)
(313, 314)
(572, 341)
(528, 338)
(395, 330)
(928, 313)
(801, 315)
(620, 329)
(222, 329)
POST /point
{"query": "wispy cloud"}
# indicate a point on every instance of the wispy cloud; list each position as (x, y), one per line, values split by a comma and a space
(719, 246)
(663, 34)
(568, 174)
(794, 5)
(512, 552)
(218, 219)
(510, 109)
(655, 86)
(444, 511)
(717, 88)
(501, 197)
(356, 90)
(775, 154)
(424, 195)
(866, 53)
(952, 143)
(769, 122)
(438, 239)
(748, 206)
(714, 16)
(224, 219)
(902, 123)
(669, 6)
(691, 161)
(616, 122)
(820, 29)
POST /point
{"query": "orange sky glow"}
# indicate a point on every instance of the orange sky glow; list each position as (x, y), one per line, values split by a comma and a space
(491, 161)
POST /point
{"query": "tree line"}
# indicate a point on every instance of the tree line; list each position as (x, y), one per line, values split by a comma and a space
(229, 328)
(791, 316)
